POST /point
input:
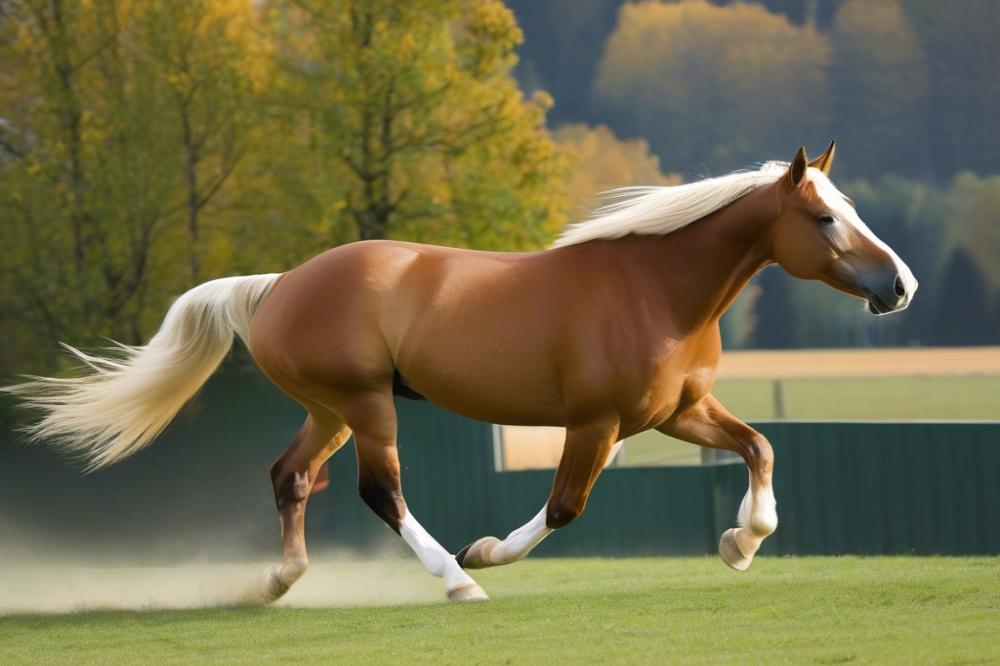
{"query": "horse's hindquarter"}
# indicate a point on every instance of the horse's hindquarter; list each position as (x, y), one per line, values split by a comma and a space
(318, 328)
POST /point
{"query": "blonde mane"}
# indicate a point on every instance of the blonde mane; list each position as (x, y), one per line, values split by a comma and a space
(662, 210)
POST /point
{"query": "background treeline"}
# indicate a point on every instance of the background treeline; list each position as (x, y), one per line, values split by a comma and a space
(909, 88)
(146, 146)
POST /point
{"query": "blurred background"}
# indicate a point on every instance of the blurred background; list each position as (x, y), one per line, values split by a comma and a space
(147, 146)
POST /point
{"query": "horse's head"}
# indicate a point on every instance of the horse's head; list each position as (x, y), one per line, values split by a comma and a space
(819, 236)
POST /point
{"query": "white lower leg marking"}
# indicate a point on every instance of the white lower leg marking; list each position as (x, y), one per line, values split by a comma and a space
(757, 517)
(431, 554)
(520, 542)
(291, 570)
(764, 518)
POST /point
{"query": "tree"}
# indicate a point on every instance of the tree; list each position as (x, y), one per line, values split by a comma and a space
(148, 146)
(602, 161)
(412, 125)
(818, 13)
(961, 304)
(122, 122)
(213, 60)
(713, 86)
(961, 50)
(974, 207)
(914, 219)
(739, 324)
(562, 46)
(878, 85)
(74, 262)
(776, 315)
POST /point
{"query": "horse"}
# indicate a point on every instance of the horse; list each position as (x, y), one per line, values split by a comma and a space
(612, 331)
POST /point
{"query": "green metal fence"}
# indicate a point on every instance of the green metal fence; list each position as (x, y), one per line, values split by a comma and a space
(873, 488)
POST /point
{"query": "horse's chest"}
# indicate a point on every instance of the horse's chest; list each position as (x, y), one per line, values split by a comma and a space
(670, 385)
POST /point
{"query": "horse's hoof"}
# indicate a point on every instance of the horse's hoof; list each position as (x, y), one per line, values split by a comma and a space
(272, 588)
(476, 554)
(467, 592)
(730, 552)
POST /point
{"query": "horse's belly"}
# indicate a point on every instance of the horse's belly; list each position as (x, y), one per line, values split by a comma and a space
(487, 389)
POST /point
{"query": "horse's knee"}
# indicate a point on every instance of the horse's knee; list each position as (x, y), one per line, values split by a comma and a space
(386, 501)
(562, 513)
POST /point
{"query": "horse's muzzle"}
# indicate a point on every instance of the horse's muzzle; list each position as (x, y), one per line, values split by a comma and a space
(886, 293)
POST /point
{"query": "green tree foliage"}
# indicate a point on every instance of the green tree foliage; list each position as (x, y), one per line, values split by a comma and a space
(145, 146)
(714, 86)
(739, 323)
(961, 304)
(974, 204)
(411, 124)
(602, 161)
(213, 62)
(777, 319)
(959, 41)
(911, 216)
(123, 123)
(878, 83)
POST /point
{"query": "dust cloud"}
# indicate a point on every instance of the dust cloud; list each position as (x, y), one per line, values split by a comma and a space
(57, 585)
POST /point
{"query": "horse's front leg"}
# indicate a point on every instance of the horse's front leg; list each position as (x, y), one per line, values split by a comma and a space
(710, 424)
(587, 450)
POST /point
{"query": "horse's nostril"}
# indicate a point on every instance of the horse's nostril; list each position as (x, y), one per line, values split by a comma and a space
(898, 287)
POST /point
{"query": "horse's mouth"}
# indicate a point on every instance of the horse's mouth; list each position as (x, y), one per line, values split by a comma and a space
(876, 305)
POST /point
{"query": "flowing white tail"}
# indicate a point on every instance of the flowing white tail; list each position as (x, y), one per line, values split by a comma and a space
(126, 402)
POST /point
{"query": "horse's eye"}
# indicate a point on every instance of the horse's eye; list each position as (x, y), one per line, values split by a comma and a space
(826, 218)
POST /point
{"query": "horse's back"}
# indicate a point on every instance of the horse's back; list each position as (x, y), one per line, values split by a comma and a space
(359, 313)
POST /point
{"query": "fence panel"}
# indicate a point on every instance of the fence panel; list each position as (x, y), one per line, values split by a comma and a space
(867, 488)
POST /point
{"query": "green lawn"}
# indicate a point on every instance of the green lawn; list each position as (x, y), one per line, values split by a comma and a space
(657, 610)
(861, 398)
(876, 398)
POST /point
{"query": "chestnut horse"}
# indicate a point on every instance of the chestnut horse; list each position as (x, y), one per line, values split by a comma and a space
(613, 331)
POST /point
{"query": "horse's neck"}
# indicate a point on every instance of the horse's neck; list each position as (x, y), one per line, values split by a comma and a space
(707, 264)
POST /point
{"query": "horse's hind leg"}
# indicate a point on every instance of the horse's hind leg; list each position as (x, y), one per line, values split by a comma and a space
(293, 476)
(587, 449)
(373, 419)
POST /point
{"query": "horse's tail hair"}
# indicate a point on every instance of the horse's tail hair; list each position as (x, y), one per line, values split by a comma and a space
(127, 398)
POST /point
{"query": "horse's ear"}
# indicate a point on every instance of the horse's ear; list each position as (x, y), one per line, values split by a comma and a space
(825, 161)
(797, 169)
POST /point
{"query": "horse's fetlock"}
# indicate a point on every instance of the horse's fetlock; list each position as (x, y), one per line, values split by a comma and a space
(764, 525)
(293, 569)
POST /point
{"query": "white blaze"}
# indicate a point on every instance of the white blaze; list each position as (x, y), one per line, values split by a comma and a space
(846, 214)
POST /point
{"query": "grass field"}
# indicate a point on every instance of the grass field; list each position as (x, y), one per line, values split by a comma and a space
(657, 610)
